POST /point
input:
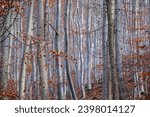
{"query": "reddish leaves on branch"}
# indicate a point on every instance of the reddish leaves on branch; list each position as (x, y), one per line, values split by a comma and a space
(62, 55)
(146, 27)
(6, 5)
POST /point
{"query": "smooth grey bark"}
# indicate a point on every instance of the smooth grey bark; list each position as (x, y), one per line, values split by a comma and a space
(95, 51)
(4, 60)
(80, 21)
(66, 50)
(88, 47)
(23, 72)
(113, 79)
(105, 56)
(57, 48)
(41, 51)
(118, 37)
(10, 54)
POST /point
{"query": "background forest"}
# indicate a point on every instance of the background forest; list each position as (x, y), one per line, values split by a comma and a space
(74, 49)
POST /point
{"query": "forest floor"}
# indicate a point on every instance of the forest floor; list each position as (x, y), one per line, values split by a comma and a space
(95, 93)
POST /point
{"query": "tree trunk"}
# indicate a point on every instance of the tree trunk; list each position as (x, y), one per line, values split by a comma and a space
(118, 37)
(88, 47)
(66, 51)
(105, 56)
(57, 47)
(26, 48)
(113, 75)
(41, 51)
(4, 53)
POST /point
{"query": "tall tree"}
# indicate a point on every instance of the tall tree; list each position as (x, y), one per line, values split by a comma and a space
(113, 79)
(26, 48)
(88, 46)
(118, 37)
(67, 2)
(41, 51)
(4, 51)
(105, 56)
(57, 48)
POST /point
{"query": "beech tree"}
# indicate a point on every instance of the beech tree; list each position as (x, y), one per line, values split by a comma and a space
(66, 49)
(26, 49)
(57, 47)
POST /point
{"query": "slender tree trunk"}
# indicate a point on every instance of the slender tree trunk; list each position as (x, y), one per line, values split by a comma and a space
(66, 50)
(57, 47)
(23, 74)
(113, 75)
(88, 47)
(41, 51)
(4, 54)
(105, 56)
(118, 36)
